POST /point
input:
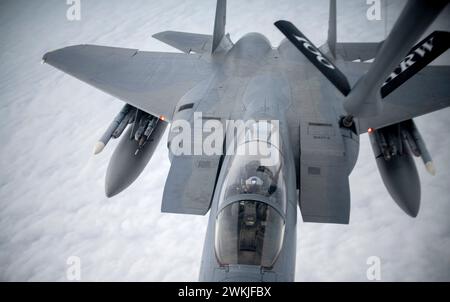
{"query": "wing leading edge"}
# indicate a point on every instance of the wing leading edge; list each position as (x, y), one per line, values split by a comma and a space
(151, 81)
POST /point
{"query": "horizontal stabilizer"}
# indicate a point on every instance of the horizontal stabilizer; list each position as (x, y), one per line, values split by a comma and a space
(420, 56)
(328, 69)
(186, 42)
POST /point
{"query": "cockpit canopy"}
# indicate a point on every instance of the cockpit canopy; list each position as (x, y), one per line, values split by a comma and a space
(256, 175)
(251, 217)
(249, 232)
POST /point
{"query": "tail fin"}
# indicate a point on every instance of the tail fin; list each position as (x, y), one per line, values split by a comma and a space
(219, 24)
(332, 32)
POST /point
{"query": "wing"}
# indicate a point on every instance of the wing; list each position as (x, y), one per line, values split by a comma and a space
(151, 81)
(425, 92)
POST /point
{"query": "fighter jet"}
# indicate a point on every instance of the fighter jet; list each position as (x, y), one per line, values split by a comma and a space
(309, 105)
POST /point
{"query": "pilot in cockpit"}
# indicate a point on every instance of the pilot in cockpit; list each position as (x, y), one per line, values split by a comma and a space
(259, 179)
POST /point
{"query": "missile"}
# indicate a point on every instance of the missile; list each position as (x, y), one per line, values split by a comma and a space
(411, 142)
(142, 126)
(100, 145)
(118, 132)
(424, 154)
(417, 145)
(150, 127)
(137, 117)
(152, 124)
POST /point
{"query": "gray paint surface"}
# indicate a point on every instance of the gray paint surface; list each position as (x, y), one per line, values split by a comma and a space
(239, 71)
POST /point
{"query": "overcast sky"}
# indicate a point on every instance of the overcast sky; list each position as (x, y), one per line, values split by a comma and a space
(52, 203)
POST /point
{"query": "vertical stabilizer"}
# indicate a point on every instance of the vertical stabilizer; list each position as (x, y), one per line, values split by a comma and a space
(219, 24)
(332, 33)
